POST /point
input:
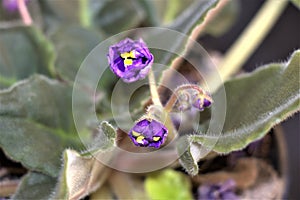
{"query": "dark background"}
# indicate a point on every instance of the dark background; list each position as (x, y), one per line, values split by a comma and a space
(282, 40)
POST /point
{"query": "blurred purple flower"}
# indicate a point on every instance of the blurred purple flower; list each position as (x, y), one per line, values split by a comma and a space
(224, 191)
(201, 101)
(11, 5)
(148, 133)
(130, 60)
(191, 95)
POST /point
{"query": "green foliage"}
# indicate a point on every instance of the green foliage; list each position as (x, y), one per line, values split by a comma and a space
(24, 51)
(258, 101)
(72, 44)
(83, 173)
(112, 20)
(168, 184)
(255, 103)
(36, 123)
(35, 186)
(184, 23)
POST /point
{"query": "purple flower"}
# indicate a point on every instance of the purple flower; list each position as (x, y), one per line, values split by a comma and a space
(224, 191)
(192, 96)
(148, 133)
(201, 101)
(130, 60)
(11, 5)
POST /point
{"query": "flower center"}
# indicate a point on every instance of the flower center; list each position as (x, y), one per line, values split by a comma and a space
(139, 137)
(128, 58)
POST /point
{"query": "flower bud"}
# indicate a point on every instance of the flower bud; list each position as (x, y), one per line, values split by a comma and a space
(148, 133)
(191, 96)
(130, 60)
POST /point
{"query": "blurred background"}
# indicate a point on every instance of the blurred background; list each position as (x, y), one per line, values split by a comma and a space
(283, 39)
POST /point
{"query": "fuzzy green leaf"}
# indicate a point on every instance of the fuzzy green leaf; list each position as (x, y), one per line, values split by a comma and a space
(187, 161)
(83, 173)
(15, 64)
(35, 186)
(255, 103)
(36, 123)
(168, 184)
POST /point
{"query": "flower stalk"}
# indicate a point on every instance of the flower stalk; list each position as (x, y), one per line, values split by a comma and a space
(153, 89)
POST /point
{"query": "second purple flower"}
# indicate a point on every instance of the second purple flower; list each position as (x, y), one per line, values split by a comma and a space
(130, 60)
(148, 133)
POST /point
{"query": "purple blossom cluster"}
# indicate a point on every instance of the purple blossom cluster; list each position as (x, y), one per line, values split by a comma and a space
(131, 60)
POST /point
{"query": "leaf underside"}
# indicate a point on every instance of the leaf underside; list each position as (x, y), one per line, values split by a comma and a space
(255, 103)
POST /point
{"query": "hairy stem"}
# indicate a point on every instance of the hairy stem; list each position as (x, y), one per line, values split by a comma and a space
(153, 89)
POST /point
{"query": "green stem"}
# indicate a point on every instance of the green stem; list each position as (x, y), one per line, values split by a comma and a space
(156, 101)
(153, 89)
(250, 39)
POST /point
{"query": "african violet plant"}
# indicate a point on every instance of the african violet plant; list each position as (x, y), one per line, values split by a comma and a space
(68, 120)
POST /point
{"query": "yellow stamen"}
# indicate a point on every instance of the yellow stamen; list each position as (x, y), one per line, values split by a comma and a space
(135, 134)
(128, 57)
(139, 139)
(127, 61)
(155, 138)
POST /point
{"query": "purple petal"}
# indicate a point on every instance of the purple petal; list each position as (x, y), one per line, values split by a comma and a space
(148, 133)
(206, 103)
(130, 60)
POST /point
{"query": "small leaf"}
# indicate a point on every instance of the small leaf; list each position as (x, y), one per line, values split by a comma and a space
(255, 103)
(80, 176)
(15, 64)
(168, 184)
(187, 161)
(36, 123)
(105, 137)
(35, 186)
(83, 173)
